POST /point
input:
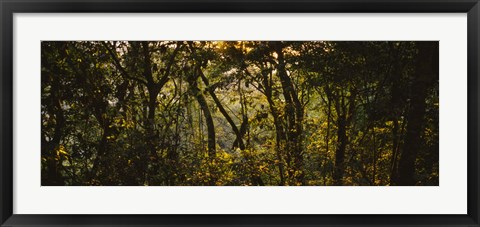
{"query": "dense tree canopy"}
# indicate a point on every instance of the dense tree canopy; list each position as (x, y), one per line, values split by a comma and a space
(239, 113)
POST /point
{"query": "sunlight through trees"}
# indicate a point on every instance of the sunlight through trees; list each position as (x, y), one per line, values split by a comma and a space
(258, 113)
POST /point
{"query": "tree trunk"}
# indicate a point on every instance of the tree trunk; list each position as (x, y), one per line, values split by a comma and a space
(211, 150)
(397, 111)
(340, 152)
(294, 114)
(153, 91)
(327, 141)
(279, 129)
(393, 162)
(237, 132)
(426, 70)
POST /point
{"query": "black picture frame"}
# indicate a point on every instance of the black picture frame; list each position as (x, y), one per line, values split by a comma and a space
(9, 7)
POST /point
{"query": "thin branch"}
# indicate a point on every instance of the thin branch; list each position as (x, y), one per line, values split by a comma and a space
(164, 79)
(119, 66)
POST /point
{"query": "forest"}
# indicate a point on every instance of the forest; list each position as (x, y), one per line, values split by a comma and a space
(239, 113)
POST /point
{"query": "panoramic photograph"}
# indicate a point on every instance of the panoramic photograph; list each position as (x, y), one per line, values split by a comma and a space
(239, 113)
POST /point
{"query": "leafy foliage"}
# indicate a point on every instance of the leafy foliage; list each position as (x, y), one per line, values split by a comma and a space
(239, 113)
